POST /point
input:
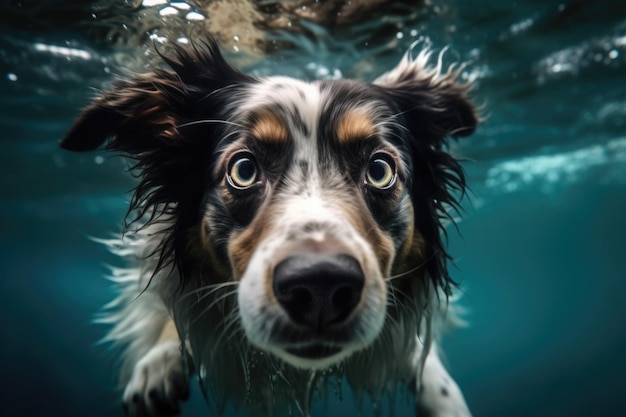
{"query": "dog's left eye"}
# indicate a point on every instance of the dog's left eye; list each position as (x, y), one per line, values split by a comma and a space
(381, 171)
(243, 172)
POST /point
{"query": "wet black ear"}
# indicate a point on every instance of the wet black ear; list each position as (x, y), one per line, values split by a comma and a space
(435, 105)
(145, 112)
(165, 122)
(92, 128)
(138, 114)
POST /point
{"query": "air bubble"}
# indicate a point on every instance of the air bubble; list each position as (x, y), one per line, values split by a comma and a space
(168, 11)
(181, 5)
(151, 3)
(194, 16)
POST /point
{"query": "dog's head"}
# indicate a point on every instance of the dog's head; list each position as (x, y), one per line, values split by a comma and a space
(311, 195)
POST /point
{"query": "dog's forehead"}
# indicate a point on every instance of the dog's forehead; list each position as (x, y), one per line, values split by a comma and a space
(282, 108)
(293, 102)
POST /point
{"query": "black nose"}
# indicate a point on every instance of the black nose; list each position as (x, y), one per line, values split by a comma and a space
(318, 290)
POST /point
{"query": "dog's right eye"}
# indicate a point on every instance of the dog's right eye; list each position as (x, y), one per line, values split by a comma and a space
(243, 172)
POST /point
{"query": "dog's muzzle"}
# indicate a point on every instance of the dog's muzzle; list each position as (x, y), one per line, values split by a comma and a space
(312, 293)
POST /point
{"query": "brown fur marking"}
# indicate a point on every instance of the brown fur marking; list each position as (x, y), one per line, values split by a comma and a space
(410, 255)
(243, 244)
(268, 127)
(361, 219)
(355, 125)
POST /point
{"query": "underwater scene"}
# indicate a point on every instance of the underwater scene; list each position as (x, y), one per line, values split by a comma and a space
(539, 252)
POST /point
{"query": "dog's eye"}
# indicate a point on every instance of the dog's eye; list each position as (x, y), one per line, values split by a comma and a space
(381, 172)
(243, 172)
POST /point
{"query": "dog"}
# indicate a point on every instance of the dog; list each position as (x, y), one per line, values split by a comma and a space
(283, 234)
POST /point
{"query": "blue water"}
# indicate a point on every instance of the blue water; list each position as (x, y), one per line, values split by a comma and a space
(541, 253)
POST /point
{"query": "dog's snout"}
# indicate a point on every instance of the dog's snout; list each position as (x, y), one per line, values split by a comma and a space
(318, 291)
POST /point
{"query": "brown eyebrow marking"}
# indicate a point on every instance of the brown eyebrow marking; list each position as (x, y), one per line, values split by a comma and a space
(269, 127)
(355, 125)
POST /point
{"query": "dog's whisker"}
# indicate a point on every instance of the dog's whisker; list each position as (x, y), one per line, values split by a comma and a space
(393, 299)
(208, 121)
(233, 133)
(391, 123)
(208, 289)
(217, 91)
(233, 323)
(412, 270)
(402, 303)
(228, 323)
(216, 301)
(202, 293)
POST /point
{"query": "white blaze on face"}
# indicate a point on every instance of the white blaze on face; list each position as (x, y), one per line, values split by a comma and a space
(313, 221)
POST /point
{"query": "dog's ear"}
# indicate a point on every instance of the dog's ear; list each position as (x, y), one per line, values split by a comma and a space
(433, 103)
(140, 114)
(144, 114)
(167, 122)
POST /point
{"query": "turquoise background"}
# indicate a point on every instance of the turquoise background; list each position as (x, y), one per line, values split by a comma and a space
(541, 254)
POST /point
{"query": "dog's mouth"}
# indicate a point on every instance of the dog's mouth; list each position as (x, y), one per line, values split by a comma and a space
(314, 351)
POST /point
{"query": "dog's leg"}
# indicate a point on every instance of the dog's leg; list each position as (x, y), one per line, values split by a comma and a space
(158, 381)
(437, 394)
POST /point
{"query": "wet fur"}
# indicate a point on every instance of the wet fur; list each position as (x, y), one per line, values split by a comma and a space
(180, 269)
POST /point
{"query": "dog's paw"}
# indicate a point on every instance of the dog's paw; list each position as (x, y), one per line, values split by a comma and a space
(158, 383)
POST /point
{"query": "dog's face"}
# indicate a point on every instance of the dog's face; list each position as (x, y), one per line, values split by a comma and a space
(313, 186)
(310, 195)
